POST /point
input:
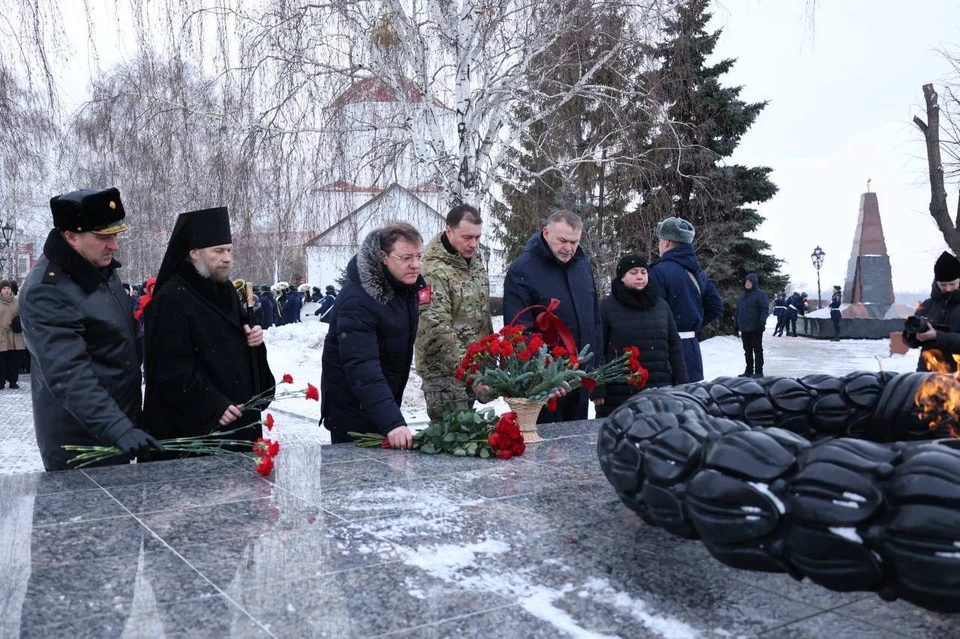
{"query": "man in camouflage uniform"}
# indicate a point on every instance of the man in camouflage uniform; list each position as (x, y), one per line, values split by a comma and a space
(454, 310)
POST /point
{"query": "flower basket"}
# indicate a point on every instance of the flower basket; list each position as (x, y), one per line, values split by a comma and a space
(530, 370)
(527, 411)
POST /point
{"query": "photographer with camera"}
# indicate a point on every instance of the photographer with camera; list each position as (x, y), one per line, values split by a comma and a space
(936, 323)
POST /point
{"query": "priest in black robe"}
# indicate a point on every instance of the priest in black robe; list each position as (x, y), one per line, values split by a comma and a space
(202, 359)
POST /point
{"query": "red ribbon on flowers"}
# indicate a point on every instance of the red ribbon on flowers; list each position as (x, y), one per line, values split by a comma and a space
(551, 326)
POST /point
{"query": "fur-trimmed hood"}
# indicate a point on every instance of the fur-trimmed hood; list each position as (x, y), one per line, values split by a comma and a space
(368, 271)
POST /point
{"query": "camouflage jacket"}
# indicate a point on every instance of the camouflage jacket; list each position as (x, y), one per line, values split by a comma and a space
(457, 314)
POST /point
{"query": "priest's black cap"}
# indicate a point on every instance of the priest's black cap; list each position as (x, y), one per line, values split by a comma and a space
(947, 268)
(194, 230)
(89, 210)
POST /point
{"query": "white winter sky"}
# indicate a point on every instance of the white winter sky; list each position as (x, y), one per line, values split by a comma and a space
(843, 87)
(842, 91)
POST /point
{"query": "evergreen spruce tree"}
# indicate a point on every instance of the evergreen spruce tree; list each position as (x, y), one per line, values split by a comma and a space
(544, 175)
(692, 179)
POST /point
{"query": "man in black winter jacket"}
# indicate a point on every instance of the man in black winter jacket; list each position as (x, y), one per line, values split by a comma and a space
(942, 310)
(368, 350)
(78, 324)
(553, 266)
(752, 310)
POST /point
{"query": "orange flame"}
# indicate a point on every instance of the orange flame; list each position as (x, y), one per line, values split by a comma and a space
(938, 397)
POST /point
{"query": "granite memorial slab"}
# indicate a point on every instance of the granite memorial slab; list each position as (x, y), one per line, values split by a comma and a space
(349, 542)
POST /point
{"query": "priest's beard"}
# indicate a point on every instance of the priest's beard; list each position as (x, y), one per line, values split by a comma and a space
(219, 276)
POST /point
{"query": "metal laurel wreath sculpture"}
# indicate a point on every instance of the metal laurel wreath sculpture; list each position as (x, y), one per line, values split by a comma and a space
(839, 480)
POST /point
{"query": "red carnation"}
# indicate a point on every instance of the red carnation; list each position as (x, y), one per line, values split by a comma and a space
(313, 393)
(507, 350)
(460, 372)
(504, 454)
(558, 351)
(385, 443)
(287, 378)
(589, 384)
(494, 441)
(273, 449)
(264, 466)
(524, 356)
(519, 448)
(269, 422)
(260, 446)
(552, 404)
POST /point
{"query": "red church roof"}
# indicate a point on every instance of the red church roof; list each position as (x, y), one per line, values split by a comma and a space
(376, 90)
(343, 186)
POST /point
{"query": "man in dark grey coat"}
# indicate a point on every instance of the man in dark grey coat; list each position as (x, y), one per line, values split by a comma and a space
(78, 323)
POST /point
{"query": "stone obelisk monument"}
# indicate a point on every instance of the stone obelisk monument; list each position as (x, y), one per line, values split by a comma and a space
(868, 310)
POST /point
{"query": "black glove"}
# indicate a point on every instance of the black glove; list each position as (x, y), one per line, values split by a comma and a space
(137, 443)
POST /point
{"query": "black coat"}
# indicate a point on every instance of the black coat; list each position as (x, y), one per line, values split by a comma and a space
(942, 309)
(794, 305)
(642, 319)
(537, 276)
(268, 306)
(79, 328)
(196, 359)
(326, 303)
(368, 349)
(752, 308)
(289, 308)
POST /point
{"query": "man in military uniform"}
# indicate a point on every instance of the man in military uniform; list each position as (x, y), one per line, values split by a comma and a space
(79, 326)
(454, 310)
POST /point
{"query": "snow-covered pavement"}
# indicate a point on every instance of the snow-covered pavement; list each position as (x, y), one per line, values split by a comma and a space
(297, 350)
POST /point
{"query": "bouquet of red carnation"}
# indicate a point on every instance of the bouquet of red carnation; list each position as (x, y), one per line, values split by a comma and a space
(217, 442)
(464, 434)
(506, 439)
(515, 364)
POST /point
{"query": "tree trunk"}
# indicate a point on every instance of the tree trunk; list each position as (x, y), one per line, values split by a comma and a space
(938, 193)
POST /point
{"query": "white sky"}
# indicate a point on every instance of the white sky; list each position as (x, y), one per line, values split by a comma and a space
(842, 93)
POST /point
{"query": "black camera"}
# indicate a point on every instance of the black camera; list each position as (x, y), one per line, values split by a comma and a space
(916, 324)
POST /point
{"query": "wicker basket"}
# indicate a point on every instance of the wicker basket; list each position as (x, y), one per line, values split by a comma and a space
(527, 411)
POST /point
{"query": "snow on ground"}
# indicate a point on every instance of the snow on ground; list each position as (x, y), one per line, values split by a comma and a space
(297, 349)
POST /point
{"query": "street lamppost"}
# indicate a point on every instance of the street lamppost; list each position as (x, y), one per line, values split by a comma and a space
(817, 258)
(6, 236)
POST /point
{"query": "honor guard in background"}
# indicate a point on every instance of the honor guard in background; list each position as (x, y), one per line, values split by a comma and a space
(79, 327)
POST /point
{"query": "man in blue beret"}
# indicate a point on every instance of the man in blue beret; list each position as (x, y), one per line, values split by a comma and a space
(79, 327)
(692, 297)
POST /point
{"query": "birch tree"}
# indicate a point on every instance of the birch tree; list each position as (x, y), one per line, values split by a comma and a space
(458, 68)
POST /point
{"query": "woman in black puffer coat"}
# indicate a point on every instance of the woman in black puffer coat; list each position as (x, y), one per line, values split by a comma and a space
(636, 315)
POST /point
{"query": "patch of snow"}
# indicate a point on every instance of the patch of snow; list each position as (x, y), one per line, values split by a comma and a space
(666, 627)
(751, 509)
(447, 561)
(765, 490)
(752, 518)
(855, 497)
(850, 534)
(540, 604)
(458, 565)
(949, 555)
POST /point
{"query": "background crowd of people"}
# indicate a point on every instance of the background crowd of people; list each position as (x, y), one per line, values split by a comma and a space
(199, 335)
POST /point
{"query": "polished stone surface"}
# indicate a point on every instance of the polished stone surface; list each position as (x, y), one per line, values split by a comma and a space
(349, 542)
